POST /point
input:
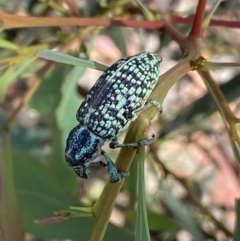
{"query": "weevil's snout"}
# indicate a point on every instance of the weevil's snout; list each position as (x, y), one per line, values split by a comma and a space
(82, 171)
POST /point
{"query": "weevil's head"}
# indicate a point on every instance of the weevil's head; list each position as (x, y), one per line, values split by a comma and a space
(82, 147)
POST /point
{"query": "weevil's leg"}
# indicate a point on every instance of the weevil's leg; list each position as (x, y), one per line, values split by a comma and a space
(130, 113)
(115, 176)
(149, 104)
(114, 143)
(97, 164)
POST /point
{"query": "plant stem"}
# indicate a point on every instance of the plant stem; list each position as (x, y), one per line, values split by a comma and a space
(198, 19)
(9, 21)
(224, 109)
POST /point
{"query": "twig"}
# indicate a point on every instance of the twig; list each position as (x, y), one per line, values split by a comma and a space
(198, 19)
(9, 21)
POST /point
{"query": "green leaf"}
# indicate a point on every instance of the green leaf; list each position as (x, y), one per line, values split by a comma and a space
(68, 59)
(40, 196)
(156, 222)
(210, 14)
(10, 212)
(159, 222)
(8, 45)
(48, 95)
(26, 139)
(142, 229)
(5, 80)
(34, 177)
(131, 183)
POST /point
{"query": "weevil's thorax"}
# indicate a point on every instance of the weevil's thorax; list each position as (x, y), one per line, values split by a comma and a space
(82, 146)
(123, 88)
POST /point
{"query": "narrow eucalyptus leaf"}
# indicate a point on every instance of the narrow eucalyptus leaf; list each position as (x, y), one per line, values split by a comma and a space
(68, 59)
(142, 229)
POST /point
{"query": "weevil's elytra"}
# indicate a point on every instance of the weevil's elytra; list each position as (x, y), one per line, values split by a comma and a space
(116, 99)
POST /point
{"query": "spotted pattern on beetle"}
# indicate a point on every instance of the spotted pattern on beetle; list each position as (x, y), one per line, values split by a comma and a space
(116, 99)
(124, 86)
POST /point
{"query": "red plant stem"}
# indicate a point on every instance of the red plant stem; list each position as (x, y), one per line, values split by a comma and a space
(8, 21)
(198, 19)
(213, 22)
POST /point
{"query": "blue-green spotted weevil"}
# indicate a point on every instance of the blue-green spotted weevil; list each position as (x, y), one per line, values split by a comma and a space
(116, 99)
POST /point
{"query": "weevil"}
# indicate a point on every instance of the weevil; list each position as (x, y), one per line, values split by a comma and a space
(116, 99)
